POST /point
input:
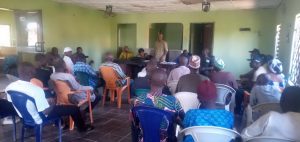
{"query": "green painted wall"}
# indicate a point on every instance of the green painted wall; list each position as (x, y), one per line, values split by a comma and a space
(127, 35)
(286, 14)
(229, 43)
(66, 25)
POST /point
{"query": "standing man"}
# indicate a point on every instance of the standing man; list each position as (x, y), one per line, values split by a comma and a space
(68, 60)
(161, 48)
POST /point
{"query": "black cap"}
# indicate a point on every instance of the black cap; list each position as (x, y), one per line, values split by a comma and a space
(256, 58)
(255, 50)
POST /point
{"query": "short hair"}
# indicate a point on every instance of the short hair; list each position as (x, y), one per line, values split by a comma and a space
(141, 50)
(78, 48)
(59, 65)
(158, 77)
(290, 98)
(263, 79)
(26, 71)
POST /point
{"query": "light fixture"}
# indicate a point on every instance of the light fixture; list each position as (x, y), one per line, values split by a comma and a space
(108, 10)
(205, 6)
(5, 9)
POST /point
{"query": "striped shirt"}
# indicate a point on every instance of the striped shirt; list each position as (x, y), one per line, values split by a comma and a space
(119, 72)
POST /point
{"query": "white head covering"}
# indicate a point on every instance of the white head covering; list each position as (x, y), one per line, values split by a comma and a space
(67, 49)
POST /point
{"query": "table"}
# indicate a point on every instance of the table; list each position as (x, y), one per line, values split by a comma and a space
(168, 66)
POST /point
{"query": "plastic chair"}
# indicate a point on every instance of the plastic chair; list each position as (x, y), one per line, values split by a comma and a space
(110, 77)
(82, 78)
(32, 119)
(14, 125)
(223, 91)
(63, 91)
(259, 110)
(150, 119)
(268, 139)
(188, 100)
(139, 92)
(209, 134)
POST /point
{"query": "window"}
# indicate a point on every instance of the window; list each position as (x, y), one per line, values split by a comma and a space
(277, 41)
(32, 33)
(5, 35)
(295, 54)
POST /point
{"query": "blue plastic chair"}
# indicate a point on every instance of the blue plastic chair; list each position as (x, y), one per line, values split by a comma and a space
(21, 102)
(150, 119)
(14, 124)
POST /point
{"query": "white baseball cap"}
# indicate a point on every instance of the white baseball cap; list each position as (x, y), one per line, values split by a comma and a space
(67, 49)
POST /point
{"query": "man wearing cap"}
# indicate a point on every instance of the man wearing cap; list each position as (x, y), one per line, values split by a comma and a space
(257, 64)
(189, 82)
(68, 60)
(222, 77)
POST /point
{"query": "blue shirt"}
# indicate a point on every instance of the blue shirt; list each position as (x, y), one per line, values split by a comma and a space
(85, 68)
(207, 117)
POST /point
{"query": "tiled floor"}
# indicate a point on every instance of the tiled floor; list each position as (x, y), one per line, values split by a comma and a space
(111, 125)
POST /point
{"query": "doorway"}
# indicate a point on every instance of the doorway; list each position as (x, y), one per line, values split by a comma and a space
(201, 37)
(29, 30)
(126, 37)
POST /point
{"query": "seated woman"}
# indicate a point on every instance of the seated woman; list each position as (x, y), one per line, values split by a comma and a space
(279, 125)
(275, 73)
(263, 92)
(125, 54)
(157, 98)
(209, 113)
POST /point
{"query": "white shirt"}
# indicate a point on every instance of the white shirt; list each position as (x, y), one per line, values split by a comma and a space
(33, 91)
(69, 63)
(274, 124)
(142, 73)
(259, 71)
(264, 94)
(176, 73)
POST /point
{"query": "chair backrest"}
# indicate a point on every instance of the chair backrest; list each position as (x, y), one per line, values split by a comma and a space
(262, 109)
(109, 76)
(150, 119)
(82, 78)
(22, 103)
(139, 92)
(268, 139)
(37, 82)
(210, 134)
(223, 91)
(62, 90)
(188, 100)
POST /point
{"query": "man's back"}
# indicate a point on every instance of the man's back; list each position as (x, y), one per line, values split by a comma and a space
(189, 82)
(225, 78)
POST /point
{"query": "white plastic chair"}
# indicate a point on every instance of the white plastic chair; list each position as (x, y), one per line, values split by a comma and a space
(268, 139)
(209, 134)
(223, 91)
(259, 110)
(188, 100)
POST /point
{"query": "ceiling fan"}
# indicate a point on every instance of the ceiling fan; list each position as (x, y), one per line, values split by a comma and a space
(108, 12)
(205, 3)
(189, 2)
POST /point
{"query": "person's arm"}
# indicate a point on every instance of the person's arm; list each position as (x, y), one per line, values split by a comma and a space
(75, 85)
(120, 72)
(165, 51)
(257, 128)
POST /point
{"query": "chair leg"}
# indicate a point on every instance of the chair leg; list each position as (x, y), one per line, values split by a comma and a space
(119, 97)
(128, 94)
(112, 96)
(59, 130)
(71, 123)
(104, 96)
(38, 133)
(91, 112)
(14, 128)
(22, 133)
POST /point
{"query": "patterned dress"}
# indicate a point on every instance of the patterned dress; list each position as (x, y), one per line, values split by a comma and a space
(207, 117)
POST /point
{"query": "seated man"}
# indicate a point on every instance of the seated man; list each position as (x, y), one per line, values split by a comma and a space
(263, 92)
(118, 70)
(279, 125)
(67, 59)
(176, 73)
(60, 74)
(125, 54)
(189, 82)
(141, 53)
(81, 66)
(53, 55)
(184, 53)
(156, 98)
(79, 55)
(209, 113)
(222, 77)
(23, 85)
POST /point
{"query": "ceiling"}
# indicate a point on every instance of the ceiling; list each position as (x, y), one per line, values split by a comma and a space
(125, 6)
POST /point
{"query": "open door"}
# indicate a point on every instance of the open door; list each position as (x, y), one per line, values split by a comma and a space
(201, 37)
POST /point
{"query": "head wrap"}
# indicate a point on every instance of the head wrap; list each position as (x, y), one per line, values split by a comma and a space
(195, 62)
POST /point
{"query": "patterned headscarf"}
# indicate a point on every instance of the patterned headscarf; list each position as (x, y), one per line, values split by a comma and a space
(219, 63)
(275, 66)
(195, 62)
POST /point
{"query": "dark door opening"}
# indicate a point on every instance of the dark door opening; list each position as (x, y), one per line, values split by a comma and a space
(201, 37)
